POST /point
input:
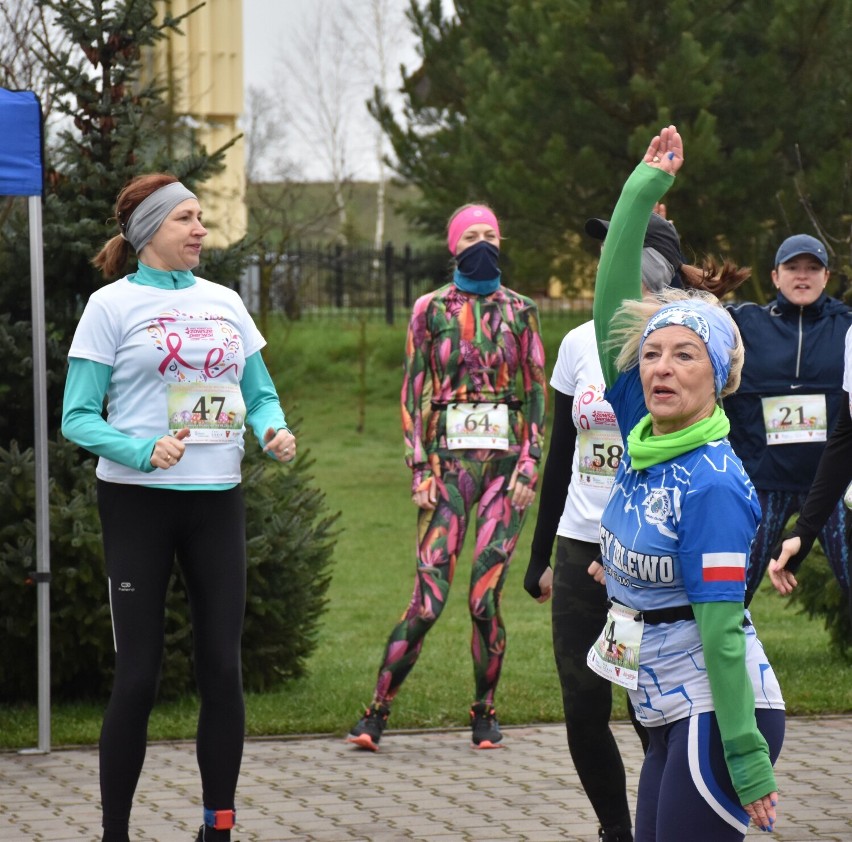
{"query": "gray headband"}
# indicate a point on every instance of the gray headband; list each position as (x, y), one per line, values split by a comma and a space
(151, 211)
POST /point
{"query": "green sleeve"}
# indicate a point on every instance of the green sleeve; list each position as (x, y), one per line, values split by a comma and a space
(619, 274)
(83, 422)
(720, 625)
(263, 409)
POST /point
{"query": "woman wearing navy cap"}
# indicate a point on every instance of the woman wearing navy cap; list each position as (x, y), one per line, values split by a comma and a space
(790, 396)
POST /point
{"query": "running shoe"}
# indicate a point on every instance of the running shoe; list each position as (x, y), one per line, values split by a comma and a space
(616, 835)
(200, 837)
(367, 733)
(485, 727)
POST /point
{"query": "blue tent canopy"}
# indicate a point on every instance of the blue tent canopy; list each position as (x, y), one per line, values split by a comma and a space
(21, 146)
(21, 174)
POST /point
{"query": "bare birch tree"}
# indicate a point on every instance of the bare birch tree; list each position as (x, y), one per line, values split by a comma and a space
(377, 42)
(24, 30)
(319, 90)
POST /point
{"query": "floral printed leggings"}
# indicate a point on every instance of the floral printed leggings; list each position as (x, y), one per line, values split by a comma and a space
(440, 534)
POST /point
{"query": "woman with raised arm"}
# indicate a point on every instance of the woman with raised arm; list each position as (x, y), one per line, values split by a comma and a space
(676, 634)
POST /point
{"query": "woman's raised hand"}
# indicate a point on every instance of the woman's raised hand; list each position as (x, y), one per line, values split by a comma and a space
(665, 151)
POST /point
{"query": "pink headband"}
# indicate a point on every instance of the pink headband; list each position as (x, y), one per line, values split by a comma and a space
(473, 215)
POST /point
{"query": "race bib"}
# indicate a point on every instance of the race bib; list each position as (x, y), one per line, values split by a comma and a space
(615, 654)
(214, 412)
(476, 426)
(795, 418)
(599, 454)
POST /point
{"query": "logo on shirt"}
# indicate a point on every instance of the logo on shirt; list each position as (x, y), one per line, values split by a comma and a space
(658, 506)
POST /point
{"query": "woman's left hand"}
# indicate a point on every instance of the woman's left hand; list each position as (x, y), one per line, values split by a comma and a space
(281, 444)
(665, 152)
(522, 492)
(762, 811)
(782, 579)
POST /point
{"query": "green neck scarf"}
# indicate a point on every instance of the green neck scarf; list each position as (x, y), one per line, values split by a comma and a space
(646, 449)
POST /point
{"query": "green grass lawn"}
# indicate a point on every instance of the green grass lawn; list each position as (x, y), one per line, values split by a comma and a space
(363, 475)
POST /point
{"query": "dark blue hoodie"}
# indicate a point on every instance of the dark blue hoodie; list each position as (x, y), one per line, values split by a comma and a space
(789, 350)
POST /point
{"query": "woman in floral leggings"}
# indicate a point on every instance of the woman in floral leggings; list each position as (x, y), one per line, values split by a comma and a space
(473, 437)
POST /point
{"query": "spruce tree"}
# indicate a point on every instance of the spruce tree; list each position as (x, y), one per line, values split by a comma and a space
(115, 124)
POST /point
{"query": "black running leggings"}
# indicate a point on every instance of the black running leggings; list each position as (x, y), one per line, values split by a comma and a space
(578, 615)
(143, 530)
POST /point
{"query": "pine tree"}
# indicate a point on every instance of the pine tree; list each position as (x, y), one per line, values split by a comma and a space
(114, 125)
(542, 108)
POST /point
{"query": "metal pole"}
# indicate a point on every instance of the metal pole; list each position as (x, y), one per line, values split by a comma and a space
(42, 572)
(389, 283)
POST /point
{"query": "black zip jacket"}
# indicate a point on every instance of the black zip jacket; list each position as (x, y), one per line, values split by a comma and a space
(789, 350)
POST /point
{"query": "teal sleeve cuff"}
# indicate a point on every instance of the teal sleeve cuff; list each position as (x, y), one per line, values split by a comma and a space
(263, 408)
(720, 625)
(84, 424)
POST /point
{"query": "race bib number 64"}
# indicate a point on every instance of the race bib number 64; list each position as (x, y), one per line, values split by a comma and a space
(474, 426)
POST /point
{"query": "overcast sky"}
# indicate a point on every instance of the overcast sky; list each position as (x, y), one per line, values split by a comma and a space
(272, 31)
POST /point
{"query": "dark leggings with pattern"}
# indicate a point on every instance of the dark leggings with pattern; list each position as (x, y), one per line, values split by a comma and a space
(578, 615)
(777, 508)
(143, 529)
(440, 534)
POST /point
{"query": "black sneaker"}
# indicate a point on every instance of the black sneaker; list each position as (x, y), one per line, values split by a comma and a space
(616, 835)
(367, 733)
(485, 727)
(200, 837)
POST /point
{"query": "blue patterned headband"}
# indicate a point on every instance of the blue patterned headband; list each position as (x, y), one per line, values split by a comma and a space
(710, 323)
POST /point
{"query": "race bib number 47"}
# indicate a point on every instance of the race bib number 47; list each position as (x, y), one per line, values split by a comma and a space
(214, 412)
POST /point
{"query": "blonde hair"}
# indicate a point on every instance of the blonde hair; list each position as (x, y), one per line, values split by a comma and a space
(632, 316)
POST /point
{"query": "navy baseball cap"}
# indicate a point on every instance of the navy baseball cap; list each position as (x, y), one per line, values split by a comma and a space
(801, 244)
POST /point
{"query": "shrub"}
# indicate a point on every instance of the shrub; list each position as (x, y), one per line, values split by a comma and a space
(820, 595)
(290, 542)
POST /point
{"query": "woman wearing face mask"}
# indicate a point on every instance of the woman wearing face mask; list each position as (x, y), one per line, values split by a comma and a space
(473, 406)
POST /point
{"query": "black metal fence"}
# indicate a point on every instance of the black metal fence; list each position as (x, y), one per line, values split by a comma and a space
(334, 281)
(322, 281)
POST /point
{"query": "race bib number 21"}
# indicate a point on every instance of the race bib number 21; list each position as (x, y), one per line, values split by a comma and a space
(795, 418)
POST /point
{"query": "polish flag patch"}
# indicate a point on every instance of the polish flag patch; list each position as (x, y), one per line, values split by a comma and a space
(723, 567)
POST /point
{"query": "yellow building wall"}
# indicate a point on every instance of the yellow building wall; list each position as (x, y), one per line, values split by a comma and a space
(204, 71)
